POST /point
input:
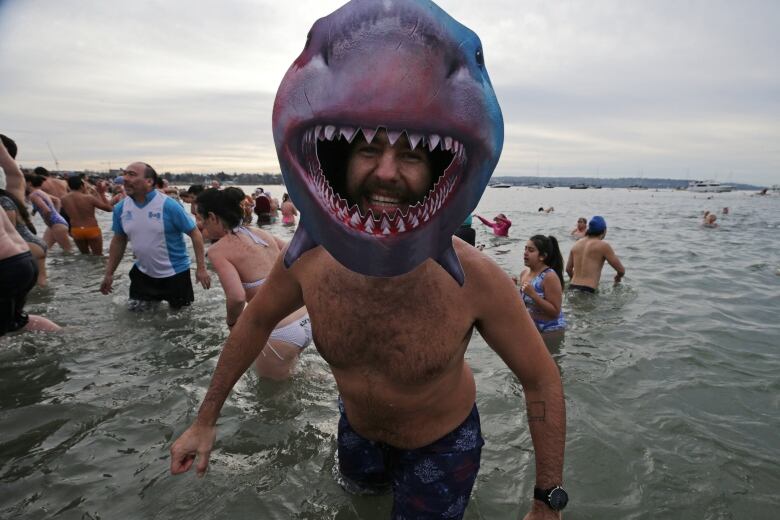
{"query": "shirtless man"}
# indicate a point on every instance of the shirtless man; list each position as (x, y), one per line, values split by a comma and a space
(397, 354)
(52, 185)
(18, 269)
(588, 255)
(80, 204)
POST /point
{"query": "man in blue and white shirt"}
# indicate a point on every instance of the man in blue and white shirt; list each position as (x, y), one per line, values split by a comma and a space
(155, 224)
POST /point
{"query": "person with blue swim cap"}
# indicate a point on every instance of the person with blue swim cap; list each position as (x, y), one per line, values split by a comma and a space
(588, 255)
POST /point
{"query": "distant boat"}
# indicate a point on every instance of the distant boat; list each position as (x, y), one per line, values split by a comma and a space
(775, 187)
(708, 187)
(637, 187)
(579, 186)
(595, 187)
(500, 185)
(548, 185)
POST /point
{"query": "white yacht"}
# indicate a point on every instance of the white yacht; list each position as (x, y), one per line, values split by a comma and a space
(709, 186)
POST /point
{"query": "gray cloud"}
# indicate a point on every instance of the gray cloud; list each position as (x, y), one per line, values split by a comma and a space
(665, 88)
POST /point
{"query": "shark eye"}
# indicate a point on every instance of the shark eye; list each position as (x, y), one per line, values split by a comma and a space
(480, 58)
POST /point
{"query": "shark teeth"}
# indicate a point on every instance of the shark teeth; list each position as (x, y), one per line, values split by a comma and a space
(394, 221)
(350, 133)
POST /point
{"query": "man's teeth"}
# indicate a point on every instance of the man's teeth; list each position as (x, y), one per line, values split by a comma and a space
(383, 201)
(349, 133)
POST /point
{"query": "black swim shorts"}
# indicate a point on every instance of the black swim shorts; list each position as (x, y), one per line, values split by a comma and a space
(176, 289)
(18, 275)
(582, 288)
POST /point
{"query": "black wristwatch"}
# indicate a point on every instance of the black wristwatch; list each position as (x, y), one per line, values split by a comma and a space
(556, 497)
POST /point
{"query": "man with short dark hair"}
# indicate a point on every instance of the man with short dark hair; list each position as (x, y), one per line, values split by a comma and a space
(155, 224)
(588, 255)
(80, 204)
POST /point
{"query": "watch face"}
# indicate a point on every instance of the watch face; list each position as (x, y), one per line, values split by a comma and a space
(558, 499)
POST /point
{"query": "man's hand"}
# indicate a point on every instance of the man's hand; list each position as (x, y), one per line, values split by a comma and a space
(203, 277)
(540, 511)
(618, 277)
(106, 286)
(196, 441)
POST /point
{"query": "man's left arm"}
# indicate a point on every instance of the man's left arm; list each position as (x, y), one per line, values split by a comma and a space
(201, 274)
(184, 223)
(507, 327)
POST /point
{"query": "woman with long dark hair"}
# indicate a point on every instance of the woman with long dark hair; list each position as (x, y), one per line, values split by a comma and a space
(243, 258)
(541, 283)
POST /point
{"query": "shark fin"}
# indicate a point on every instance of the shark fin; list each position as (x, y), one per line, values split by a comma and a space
(450, 262)
(300, 243)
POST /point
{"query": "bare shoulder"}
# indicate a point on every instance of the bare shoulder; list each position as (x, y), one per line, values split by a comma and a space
(266, 236)
(217, 251)
(309, 266)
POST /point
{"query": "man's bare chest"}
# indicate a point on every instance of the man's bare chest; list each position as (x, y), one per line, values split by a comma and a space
(406, 329)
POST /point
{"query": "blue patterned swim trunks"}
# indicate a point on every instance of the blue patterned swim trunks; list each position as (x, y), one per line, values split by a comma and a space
(434, 481)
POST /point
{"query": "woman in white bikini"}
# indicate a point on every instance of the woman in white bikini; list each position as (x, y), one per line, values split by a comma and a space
(242, 258)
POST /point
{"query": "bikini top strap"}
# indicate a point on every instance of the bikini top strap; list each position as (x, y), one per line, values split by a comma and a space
(256, 239)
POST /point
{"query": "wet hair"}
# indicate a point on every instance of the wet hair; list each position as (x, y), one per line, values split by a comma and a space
(21, 209)
(226, 204)
(40, 170)
(75, 182)
(10, 145)
(36, 180)
(196, 189)
(583, 220)
(540, 209)
(548, 247)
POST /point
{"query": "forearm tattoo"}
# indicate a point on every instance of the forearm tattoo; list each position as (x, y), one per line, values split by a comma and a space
(536, 411)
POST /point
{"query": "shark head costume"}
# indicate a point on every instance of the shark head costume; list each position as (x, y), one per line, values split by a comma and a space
(400, 67)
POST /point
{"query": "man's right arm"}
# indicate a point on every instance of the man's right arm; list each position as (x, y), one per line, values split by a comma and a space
(278, 297)
(115, 253)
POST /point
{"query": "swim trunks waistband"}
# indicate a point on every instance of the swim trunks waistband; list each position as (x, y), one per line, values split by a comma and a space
(583, 288)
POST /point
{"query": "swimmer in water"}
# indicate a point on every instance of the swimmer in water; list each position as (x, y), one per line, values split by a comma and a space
(500, 224)
(581, 229)
(242, 258)
(587, 257)
(541, 283)
(709, 220)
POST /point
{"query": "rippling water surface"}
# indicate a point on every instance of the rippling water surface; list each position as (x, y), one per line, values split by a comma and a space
(671, 378)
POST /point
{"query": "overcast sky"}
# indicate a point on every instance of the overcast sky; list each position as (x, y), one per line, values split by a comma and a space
(661, 88)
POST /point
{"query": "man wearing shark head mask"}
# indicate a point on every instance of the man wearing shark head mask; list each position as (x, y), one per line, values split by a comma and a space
(384, 169)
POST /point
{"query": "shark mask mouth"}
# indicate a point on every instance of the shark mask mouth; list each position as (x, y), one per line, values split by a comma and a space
(326, 150)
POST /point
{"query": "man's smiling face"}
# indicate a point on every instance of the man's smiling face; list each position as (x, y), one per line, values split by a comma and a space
(383, 177)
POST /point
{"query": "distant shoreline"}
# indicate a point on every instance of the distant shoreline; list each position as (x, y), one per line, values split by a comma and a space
(271, 179)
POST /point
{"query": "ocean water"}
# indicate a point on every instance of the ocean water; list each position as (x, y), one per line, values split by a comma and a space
(672, 383)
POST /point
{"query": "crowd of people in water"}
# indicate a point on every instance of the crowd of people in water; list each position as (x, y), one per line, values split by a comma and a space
(240, 253)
